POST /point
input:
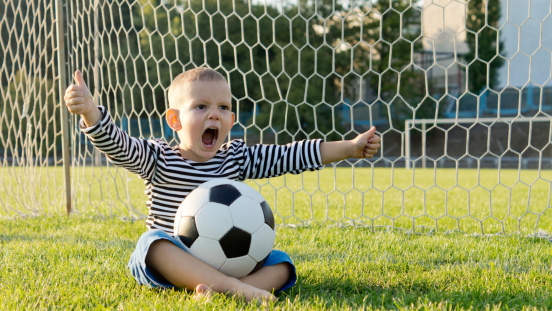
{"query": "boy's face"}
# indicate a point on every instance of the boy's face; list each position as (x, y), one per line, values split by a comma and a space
(203, 120)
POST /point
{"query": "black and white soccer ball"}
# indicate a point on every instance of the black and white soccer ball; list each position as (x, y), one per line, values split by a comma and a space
(228, 225)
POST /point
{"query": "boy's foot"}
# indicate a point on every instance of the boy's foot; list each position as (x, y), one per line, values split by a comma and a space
(203, 291)
(248, 293)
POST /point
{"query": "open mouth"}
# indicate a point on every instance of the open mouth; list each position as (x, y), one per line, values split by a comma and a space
(210, 136)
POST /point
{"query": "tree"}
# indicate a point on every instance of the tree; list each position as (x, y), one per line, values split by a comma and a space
(337, 48)
(309, 69)
(333, 50)
(29, 107)
(289, 68)
(401, 85)
(483, 39)
(264, 53)
(232, 37)
(29, 117)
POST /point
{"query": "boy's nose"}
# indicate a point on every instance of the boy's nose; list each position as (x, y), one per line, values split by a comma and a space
(214, 114)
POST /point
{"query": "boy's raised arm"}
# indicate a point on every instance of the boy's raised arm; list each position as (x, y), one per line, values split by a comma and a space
(365, 145)
(137, 155)
(79, 101)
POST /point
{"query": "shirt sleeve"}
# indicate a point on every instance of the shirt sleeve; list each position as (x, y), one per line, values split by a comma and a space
(139, 156)
(263, 161)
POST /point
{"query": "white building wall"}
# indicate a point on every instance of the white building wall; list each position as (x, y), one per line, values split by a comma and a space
(526, 31)
(444, 30)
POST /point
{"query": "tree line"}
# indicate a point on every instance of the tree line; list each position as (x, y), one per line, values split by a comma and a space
(291, 69)
(296, 70)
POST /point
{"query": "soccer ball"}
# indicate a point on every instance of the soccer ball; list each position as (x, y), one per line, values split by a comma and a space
(228, 225)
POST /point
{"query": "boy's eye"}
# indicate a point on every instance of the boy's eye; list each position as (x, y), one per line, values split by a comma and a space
(224, 107)
(201, 107)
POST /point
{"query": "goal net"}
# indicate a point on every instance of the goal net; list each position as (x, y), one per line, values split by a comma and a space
(460, 92)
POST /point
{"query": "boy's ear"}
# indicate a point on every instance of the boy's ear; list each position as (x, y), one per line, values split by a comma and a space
(173, 119)
(233, 118)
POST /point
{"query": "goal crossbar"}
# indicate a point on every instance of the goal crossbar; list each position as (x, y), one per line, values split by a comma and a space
(410, 125)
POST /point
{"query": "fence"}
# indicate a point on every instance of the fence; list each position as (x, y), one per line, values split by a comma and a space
(297, 69)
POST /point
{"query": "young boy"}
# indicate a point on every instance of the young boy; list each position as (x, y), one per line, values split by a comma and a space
(200, 111)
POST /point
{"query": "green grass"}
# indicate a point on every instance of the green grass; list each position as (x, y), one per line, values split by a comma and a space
(79, 262)
(51, 261)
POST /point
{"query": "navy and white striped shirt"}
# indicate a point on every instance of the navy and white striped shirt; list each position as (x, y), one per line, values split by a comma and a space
(169, 178)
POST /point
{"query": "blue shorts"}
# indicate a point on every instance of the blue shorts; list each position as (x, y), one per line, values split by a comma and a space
(138, 269)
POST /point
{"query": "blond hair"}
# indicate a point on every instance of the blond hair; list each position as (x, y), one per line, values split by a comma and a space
(192, 75)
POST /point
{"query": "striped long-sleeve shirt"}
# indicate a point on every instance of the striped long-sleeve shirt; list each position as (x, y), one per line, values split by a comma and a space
(169, 178)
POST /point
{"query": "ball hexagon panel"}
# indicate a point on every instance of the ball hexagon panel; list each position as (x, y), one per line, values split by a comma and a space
(238, 267)
(187, 230)
(224, 194)
(262, 242)
(235, 243)
(248, 191)
(247, 214)
(213, 213)
(215, 182)
(209, 251)
(194, 202)
(268, 215)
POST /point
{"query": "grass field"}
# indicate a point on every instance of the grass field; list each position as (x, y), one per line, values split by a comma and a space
(466, 200)
(78, 263)
(52, 261)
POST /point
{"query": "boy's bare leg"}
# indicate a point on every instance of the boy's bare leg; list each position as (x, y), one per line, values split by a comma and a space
(269, 278)
(183, 270)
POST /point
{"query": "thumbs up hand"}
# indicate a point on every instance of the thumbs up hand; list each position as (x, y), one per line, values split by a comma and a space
(366, 144)
(77, 96)
(79, 101)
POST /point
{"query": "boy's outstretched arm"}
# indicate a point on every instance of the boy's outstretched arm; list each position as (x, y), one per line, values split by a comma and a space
(79, 101)
(365, 145)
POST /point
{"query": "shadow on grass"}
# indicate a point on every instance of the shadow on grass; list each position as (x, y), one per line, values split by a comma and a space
(337, 292)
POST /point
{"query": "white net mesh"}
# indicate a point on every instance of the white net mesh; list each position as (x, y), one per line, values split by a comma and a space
(30, 137)
(459, 91)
